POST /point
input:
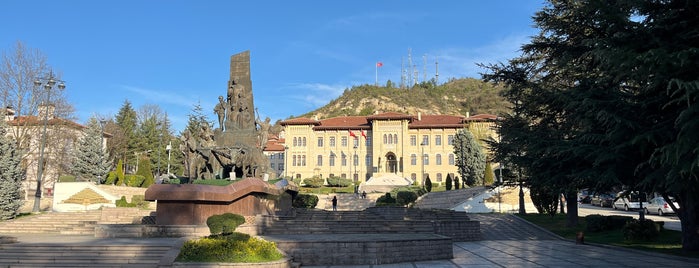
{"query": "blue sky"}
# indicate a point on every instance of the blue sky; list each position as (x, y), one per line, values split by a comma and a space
(176, 54)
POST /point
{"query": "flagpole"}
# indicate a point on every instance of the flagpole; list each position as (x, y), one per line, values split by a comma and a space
(376, 66)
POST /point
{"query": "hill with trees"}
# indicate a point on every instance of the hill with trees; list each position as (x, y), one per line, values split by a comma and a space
(455, 97)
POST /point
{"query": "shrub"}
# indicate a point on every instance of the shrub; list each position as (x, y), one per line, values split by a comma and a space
(111, 178)
(386, 201)
(132, 180)
(224, 223)
(120, 173)
(66, 178)
(448, 182)
(405, 197)
(339, 182)
(428, 184)
(305, 201)
(646, 230)
(456, 183)
(234, 248)
(315, 182)
(122, 203)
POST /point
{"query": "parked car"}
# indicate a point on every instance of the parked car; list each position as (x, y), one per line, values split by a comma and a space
(602, 199)
(584, 196)
(660, 206)
(631, 201)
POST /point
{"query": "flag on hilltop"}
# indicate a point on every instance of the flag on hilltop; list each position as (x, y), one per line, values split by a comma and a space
(379, 64)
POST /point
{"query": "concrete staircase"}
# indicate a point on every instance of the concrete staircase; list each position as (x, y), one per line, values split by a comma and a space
(81, 255)
(381, 235)
(346, 202)
(67, 223)
(448, 199)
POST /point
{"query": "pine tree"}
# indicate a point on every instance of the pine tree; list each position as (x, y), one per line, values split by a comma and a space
(428, 184)
(489, 176)
(449, 180)
(456, 183)
(470, 157)
(11, 176)
(91, 161)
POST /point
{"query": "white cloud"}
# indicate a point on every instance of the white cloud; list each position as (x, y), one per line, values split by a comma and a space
(317, 94)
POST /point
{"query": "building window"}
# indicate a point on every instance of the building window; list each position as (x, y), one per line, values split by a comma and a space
(425, 140)
(385, 139)
(332, 141)
(281, 166)
(303, 160)
(355, 160)
(451, 160)
(413, 176)
(356, 143)
(304, 142)
(332, 160)
(367, 161)
(320, 160)
(368, 141)
(320, 142)
(426, 159)
(439, 177)
(438, 159)
(272, 165)
(295, 142)
(450, 139)
(344, 160)
(344, 142)
(413, 140)
(413, 159)
(395, 138)
(438, 140)
(293, 163)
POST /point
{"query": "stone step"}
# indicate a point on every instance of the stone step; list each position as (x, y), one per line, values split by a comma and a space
(49, 255)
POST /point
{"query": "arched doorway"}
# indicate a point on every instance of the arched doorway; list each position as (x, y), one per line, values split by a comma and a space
(391, 163)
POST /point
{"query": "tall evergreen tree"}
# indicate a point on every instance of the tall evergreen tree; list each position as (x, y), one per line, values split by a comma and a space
(470, 158)
(124, 142)
(11, 175)
(606, 95)
(91, 161)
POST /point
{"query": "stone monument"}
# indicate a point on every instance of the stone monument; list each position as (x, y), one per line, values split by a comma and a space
(234, 149)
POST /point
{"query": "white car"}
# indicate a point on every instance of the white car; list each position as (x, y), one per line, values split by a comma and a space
(660, 206)
(630, 202)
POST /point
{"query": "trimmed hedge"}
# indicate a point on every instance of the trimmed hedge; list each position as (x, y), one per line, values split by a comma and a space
(339, 182)
(315, 182)
(224, 223)
(305, 201)
(386, 201)
(404, 198)
(599, 223)
(646, 230)
(234, 248)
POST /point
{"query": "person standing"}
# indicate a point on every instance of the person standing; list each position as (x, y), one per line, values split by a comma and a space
(334, 203)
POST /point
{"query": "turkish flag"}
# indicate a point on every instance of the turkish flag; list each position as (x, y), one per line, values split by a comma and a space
(363, 134)
(352, 134)
(379, 64)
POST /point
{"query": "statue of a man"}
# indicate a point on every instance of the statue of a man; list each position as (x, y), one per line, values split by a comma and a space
(220, 110)
(263, 131)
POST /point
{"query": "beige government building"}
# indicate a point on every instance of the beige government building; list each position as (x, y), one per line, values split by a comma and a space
(385, 144)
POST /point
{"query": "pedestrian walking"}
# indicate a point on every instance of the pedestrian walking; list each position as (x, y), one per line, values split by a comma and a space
(334, 203)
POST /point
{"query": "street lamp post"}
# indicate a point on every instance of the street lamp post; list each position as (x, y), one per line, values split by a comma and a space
(286, 149)
(160, 142)
(48, 83)
(422, 172)
(354, 163)
(169, 150)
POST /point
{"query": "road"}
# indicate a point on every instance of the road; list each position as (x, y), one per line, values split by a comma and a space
(672, 222)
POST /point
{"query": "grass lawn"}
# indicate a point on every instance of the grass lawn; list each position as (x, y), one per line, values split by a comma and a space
(669, 241)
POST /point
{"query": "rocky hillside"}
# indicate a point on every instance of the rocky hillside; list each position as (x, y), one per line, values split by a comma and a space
(456, 97)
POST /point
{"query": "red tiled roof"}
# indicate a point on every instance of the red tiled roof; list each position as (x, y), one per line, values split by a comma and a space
(437, 121)
(344, 122)
(299, 121)
(482, 117)
(390, 115)
(31, 120)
